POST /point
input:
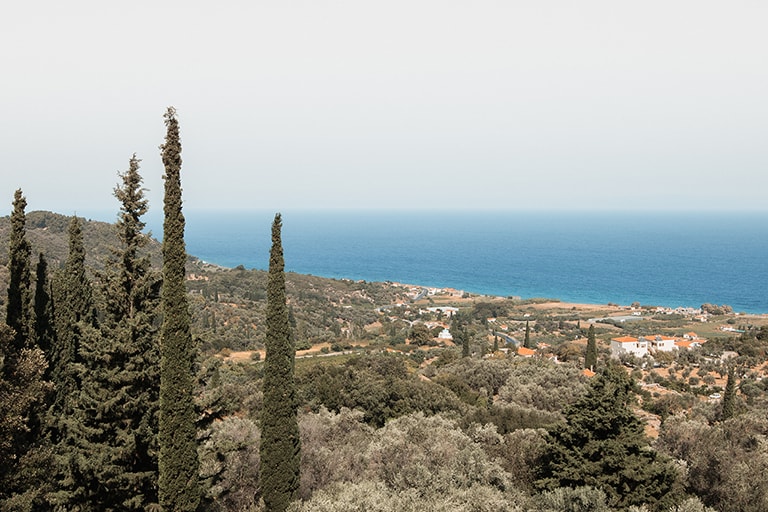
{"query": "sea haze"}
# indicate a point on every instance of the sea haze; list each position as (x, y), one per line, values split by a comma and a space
(661, 258)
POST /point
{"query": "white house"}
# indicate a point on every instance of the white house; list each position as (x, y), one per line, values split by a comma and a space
(643, 345)
(661, 343)
(445, 334)
(638, 347)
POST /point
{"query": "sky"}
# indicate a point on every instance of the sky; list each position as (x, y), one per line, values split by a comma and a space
(417, 104)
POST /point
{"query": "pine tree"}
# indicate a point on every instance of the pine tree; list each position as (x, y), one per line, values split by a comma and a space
(18, 312)
(179, 488)
(280, 444)
(118, 372)
(729, 396)
(603, 444)
(590, 358)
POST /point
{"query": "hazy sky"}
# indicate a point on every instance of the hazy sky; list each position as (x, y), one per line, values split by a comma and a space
(390, 104)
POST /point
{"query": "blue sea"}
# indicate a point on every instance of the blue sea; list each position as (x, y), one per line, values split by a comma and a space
(661, 258)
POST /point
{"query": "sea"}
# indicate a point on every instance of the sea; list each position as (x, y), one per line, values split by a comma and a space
(662, 258)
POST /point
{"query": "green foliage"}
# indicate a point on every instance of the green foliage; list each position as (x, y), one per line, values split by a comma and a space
(178, 463)
(119, 376)
(590, 357)
(380, 386)
(333, 448)
(527, 343)
(420, 335)
(568, 499)
(542, 385)
(373, 496)
(484, 310)
(73, 309)
(729, 396)
(602, 444)
(22, 392)
(280, 441)
(429, 452)
(229, 465)
(45, 331)
(723, 460)
(18, 312)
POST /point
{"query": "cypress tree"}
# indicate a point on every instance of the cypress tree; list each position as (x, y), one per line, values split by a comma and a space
(179, 489)
(72, 308)
(23, 388)
(44, 323)
(527, 342)
(465, 348)
(280, 443)
(75, 347)
(729, 396)
(590, 358)
(18, 312)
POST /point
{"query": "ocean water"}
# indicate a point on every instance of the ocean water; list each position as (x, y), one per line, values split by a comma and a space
(661, 258)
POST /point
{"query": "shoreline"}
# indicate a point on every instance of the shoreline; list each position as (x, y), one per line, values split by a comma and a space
(554, 303)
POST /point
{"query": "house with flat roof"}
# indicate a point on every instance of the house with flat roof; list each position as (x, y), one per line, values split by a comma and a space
(637, 347)
(643, 345)
(661, 343)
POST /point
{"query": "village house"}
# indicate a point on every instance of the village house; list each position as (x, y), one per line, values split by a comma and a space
(525, 352)
(642, 345)
(624, 345)
(649, 344)
(661, 343)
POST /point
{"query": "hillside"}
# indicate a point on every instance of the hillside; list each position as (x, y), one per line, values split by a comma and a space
(392, 407)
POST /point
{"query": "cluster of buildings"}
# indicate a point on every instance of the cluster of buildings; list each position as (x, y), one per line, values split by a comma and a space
(647, 345)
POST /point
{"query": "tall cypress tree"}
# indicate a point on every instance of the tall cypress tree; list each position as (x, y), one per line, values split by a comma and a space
(23, 389)
(280, 443)
(44, 323)
(590, 358)
(73, 308)
(527, 343)
(729, 396)
(76, 346)
(18, 312)
(179, 488)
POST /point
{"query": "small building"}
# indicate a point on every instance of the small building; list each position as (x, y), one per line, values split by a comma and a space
(445, 334)
(525, 352)
(687, 344)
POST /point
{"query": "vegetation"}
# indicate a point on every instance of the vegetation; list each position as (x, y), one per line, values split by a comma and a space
(602, 444)
(178, 463)
(196, 388)
(280, 443)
